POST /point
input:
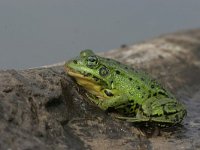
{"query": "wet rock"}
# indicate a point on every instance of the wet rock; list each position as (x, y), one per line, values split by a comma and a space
(43, 108)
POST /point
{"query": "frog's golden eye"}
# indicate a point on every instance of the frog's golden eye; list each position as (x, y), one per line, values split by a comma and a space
(92, 61)
(103, 71)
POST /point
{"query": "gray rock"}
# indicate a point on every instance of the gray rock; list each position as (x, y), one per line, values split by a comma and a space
(43, 108)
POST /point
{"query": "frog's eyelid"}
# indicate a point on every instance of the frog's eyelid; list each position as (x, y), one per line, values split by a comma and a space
(92, 61)
(86, 52)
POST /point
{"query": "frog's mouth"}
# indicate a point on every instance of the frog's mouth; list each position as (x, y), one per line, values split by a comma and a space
(88, 82)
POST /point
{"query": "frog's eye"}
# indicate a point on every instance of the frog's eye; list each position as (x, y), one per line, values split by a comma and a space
(103, 71)
(92, 61)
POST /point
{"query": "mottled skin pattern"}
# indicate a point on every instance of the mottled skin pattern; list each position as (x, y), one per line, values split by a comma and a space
(132, 93)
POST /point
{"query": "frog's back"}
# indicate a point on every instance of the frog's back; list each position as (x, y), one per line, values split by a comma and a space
(136, 84)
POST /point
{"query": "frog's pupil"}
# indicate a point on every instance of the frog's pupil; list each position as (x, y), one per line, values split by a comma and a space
(92, 58)
(92, 61)
(154, 94)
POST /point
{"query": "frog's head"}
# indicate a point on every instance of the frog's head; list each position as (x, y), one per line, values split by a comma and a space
(90, 71)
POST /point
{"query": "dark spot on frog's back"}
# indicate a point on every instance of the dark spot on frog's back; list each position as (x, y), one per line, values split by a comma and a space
(130, 79)
(131, 101)
(149, 95)
(155, 94)
(117, 72)
(142, 79)
(163, 93)
(131, 93)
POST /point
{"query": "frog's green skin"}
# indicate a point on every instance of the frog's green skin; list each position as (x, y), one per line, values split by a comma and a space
(132, 93)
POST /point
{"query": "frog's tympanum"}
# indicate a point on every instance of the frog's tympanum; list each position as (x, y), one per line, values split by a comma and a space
(131, 93)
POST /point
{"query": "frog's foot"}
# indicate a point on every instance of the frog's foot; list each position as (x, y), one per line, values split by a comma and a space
(93, 99)
(165, 110)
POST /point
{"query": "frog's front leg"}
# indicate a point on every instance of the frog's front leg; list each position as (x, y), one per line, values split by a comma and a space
(114, 101)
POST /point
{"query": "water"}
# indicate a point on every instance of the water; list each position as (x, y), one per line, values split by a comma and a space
(40, 32)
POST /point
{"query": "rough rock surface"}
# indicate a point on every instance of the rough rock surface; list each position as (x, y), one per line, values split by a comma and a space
(43, 108)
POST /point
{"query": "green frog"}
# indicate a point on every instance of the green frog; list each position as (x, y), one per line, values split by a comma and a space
(133, 94)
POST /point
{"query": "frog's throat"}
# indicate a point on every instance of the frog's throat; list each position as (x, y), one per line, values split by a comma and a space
(87, 82)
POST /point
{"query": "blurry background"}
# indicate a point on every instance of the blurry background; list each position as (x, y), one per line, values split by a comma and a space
(41, 32)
